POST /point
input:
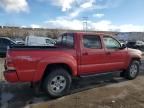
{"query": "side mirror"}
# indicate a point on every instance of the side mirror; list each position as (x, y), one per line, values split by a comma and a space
(123, 46)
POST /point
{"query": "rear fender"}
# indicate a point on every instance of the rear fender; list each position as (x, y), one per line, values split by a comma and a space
(65, 59)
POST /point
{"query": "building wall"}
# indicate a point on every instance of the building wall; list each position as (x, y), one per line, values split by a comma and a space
(131, 36)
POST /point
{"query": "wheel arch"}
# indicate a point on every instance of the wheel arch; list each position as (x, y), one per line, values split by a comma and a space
(136, 59)
(53, 66)
(65, 61)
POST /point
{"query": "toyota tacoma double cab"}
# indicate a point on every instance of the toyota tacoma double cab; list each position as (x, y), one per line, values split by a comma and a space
(77, 54)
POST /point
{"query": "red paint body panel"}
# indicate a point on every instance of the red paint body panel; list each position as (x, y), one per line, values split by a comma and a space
(30, 65)
(11, 76)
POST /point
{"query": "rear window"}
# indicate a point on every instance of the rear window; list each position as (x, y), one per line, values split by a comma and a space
(66, 40)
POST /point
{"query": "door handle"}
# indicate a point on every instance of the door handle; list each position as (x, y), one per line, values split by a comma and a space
(108, 53)
(85, 53)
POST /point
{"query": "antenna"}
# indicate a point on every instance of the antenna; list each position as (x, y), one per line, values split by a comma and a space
(85, 19)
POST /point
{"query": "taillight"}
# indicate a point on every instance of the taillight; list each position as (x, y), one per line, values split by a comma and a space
(8, 63)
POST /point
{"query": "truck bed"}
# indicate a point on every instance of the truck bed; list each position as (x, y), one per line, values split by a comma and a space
(37, 48)
(32, 47)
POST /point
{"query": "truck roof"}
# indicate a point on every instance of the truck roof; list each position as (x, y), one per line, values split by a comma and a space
(91, 33)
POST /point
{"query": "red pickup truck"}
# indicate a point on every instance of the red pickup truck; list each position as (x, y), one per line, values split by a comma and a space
(75, 55)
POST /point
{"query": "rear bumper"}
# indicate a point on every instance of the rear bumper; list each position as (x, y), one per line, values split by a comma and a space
(11, 76)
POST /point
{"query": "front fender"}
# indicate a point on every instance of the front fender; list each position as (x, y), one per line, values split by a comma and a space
(65, 59)
(133, 54)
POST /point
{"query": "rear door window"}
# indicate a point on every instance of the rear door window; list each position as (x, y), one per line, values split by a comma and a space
(92, 41)
(66, 40)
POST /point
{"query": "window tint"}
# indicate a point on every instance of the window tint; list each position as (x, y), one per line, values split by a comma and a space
(111, 43)
(66, 40)
(92, 41)
(70, 41)
(59, 40)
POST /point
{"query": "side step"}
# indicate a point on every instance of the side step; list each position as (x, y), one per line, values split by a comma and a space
(99, 74)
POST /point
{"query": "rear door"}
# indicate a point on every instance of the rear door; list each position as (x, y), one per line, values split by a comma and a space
(93, 55)
(115, 57)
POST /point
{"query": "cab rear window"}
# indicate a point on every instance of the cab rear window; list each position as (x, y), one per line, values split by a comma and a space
(66, 40)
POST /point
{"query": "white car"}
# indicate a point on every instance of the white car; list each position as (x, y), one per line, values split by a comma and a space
(39, 41)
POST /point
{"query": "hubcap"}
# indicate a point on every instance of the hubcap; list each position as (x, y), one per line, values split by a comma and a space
(133, 70)
(58, 84)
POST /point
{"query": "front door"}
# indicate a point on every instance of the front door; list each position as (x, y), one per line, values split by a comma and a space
(115, 57)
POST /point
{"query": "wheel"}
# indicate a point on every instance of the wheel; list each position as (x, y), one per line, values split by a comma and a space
(57, 82)
(133, 70)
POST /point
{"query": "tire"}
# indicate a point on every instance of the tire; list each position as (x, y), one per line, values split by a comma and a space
(57, 82)
(133, 70)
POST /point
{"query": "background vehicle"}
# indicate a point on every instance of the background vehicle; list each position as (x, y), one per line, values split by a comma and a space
(75, 55)
(131, 44)
(4, 43)
(123, 42)
(39, 41)
(136, 45)
(20, 42)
